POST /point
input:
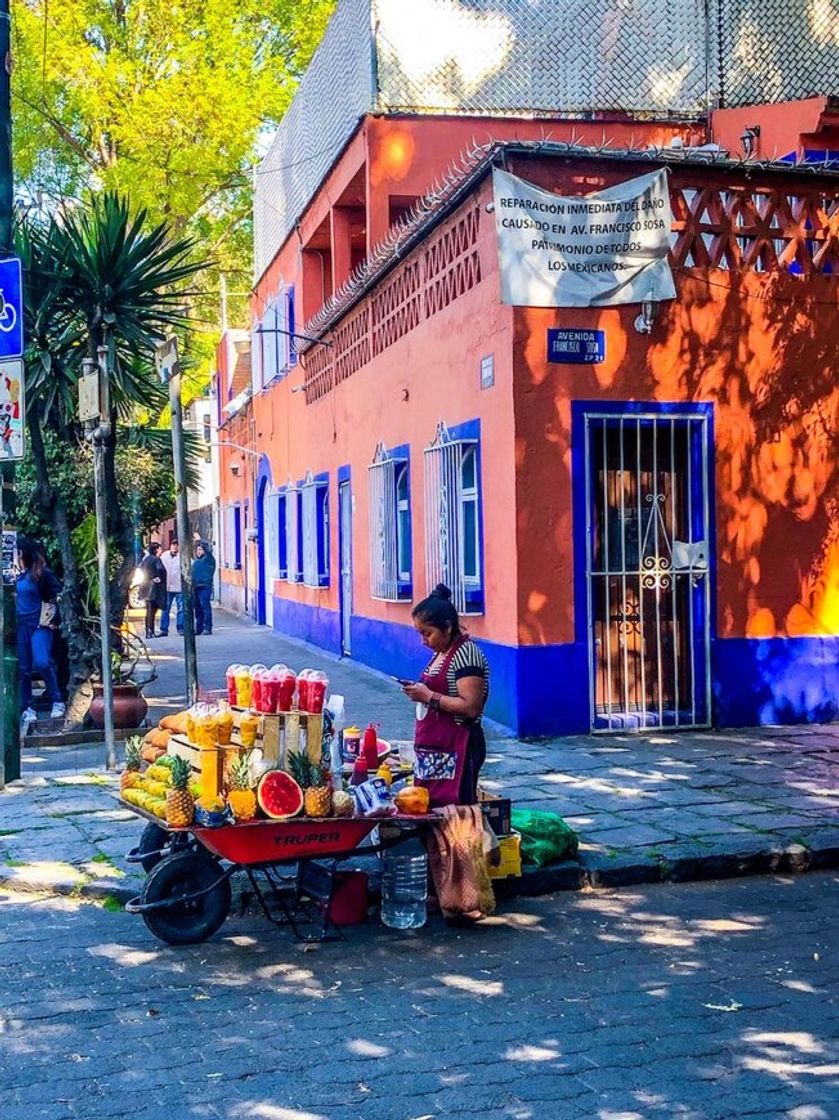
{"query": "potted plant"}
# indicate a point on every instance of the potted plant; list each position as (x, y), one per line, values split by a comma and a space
(131, 668)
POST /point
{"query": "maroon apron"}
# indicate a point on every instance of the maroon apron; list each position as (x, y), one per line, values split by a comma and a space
(441, 743)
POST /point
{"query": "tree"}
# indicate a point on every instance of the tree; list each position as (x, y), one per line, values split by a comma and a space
(97, 277)
(165, 101)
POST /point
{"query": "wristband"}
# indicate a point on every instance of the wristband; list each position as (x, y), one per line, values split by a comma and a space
(434, 702)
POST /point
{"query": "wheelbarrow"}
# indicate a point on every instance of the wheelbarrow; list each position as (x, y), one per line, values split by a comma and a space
(187, 895)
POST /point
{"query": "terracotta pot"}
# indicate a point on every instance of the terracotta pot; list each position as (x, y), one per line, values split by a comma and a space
(129, 706)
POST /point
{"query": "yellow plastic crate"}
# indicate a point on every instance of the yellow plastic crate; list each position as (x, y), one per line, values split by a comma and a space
(510, 865)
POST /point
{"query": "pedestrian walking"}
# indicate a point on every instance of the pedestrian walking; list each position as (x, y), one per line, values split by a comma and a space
(38, 589)
(171, 561)
(154, 586)
(203, 571)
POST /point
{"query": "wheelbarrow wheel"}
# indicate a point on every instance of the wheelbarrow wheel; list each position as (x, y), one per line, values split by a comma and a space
(153, 846)
(173, 879)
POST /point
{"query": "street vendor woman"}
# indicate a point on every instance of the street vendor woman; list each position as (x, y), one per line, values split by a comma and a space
(451, 695)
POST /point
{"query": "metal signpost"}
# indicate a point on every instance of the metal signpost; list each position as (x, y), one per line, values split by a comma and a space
(168, 367)
(94, 410)
(12, 448)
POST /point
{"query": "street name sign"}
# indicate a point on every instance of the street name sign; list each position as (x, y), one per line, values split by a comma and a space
(576, 347)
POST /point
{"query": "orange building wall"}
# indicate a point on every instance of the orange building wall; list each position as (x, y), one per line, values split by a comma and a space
(762, 348)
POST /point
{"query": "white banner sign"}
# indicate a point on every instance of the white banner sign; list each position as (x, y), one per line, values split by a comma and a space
(591, 250)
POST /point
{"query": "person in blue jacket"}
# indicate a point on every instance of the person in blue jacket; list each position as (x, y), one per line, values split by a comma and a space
(203, 572)
(38, 589)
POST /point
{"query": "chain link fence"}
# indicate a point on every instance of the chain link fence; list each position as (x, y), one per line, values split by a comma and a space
(659, 58)
(776, 50)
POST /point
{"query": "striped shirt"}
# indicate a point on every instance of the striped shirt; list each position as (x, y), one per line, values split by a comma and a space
(469, 661)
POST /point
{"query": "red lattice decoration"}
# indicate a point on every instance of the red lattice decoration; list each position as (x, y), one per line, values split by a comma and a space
(397, 308)
(452, 263)
(756, 228)
(351, 344)
(318, 366)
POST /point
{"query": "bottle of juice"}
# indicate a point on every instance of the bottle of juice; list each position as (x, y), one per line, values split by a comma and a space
(359, 771)
(271, 689)
(370, 748)
(208, 762)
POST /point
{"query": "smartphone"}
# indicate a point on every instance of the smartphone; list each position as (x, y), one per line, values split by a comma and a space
(401, 681)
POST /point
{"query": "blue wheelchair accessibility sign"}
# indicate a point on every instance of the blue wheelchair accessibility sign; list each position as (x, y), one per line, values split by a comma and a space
(11, 309)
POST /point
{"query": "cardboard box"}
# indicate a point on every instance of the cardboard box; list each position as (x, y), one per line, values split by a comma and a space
(497, 811)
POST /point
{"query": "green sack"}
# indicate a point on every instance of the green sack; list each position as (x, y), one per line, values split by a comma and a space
(545, 837)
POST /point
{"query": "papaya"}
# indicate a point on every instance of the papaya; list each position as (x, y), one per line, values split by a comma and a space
(157, 738)
(414, 799)
(175, 723)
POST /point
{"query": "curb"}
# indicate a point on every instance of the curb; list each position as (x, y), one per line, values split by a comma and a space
(99, 890)
(792, 858)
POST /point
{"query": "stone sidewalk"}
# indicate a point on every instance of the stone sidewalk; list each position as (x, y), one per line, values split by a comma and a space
(647, 808)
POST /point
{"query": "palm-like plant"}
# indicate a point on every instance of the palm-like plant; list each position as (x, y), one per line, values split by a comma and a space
(99, 276)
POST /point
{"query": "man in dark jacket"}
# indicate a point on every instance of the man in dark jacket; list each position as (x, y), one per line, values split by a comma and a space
(203, 571)
(154, 586)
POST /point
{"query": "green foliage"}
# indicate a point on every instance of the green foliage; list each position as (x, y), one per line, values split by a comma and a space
(166, 101)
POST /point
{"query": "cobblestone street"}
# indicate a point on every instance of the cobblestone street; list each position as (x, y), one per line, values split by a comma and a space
(710, 1001)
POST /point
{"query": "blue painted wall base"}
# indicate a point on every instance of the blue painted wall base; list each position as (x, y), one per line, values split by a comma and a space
(543, 690)
(775, 680)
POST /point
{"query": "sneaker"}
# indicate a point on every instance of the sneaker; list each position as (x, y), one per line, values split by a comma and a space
(58, 710)
(29, 716)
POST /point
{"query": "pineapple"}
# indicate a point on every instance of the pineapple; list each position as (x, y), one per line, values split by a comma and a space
(130, 777)
(241, 798)
(317, 796)
(180, 804)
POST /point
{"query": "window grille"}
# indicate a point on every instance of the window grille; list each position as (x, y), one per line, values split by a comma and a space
(390, 525)
(315, 531)
(257, 356)
(294, 573)
(453, 519)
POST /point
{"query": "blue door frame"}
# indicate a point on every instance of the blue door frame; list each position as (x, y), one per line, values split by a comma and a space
(697, 593)
(263, 482)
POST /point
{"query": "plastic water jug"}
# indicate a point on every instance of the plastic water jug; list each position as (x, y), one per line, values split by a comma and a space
(404, 885)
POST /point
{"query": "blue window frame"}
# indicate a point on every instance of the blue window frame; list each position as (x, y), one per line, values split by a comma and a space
(282, 539)
(237, 536)
(454, 514)
(315, 523)
(290, 326)
(391, 556)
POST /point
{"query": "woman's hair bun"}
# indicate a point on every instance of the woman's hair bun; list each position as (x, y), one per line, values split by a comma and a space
(441, 592)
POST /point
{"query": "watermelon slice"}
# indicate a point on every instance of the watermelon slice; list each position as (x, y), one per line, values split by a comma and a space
(279, 796)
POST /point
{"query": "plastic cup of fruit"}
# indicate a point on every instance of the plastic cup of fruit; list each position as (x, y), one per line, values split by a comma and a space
(230, 678)
(224, 722)
(303, 678)
(318, 684)
(247, 730)
(285, 697)
(270, 691)
(244, 687)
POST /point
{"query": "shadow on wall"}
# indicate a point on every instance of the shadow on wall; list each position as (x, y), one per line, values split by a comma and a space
(764, 354)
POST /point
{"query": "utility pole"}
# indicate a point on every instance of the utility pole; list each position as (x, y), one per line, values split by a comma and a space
(98, 432)
(169, 369)
(9, 717)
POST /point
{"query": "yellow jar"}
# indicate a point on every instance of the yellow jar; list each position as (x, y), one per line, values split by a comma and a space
(243, 689)
(190, 726)
(248, 729)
